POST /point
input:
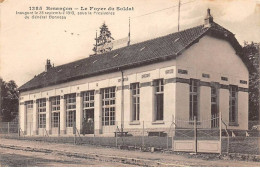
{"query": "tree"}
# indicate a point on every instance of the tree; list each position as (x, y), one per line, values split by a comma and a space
(103, 41)
(251, 50)
(9, 100)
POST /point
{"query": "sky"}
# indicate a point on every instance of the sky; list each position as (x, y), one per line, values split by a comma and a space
(25, 45)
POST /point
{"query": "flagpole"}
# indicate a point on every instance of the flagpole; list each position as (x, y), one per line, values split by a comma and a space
(129, 33)
(96, 43)
(179, 6)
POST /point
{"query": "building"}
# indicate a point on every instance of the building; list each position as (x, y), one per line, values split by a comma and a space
(195, 72)
(1, 99)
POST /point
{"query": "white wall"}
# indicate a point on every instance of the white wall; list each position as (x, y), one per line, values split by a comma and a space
(218, 58)
(159, 70)
(215, 57)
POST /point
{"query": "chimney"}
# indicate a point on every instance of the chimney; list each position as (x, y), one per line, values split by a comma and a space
(48, 65)
(208, 19)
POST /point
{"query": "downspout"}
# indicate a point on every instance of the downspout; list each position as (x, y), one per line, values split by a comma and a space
(258, 82)
(122, 102)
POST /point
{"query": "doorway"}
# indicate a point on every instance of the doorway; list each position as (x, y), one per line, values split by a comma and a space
(88, 121)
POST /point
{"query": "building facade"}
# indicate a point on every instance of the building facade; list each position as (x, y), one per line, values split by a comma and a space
(198, 72)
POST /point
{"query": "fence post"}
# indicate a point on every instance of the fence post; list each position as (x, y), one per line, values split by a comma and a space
(195, 133)
(18, 130)
(94, 139)
(167, 141)
(116, 135)
(143, 136)
(8, 128)
(220, 131)
(173, 131)
(228, 144)
(74, 131)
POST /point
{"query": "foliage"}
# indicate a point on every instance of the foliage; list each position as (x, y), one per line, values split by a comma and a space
(9, 100)
(251, 50)
(103, 40)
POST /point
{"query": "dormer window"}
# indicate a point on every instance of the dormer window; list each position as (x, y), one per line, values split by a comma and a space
(142, 49)
(115, 55)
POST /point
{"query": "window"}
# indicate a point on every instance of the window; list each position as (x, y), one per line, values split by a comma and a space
(205, 75)
(243, 82)
(135, 89)
(194, 98)
(55, 119)
(88, 105)
(180, 71)
(108, 106)
(214, 98)
(158, 99)
(41, 105)
(233, 104)
(214, 107)
(29, 104)
(88, 100)
(55, 112)
(224, 78)
(42, 120)
(70, 109)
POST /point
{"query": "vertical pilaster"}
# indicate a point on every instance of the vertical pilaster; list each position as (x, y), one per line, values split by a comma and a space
(98, 113)
(62, 116)
(79, 114)
(127, 107)
(146, 102)
(242, 110)
(169, 103)
(205, 106)
(224, 104)
(35, 118)
(118, 115)
(48, 116)
(22, 117)
(182, 101)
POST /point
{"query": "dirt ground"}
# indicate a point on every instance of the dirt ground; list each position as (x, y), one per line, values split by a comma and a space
(34, 153)
(18, 158)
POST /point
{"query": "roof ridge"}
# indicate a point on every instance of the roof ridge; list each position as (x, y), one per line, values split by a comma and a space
(159, 37)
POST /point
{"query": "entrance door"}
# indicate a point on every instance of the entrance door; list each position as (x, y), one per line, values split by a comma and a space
(88, 122)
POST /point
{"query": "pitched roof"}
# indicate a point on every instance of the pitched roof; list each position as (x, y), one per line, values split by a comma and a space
(154, 50)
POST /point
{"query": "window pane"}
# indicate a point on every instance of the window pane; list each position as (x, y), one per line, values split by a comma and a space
(193, 99)
(159, 99)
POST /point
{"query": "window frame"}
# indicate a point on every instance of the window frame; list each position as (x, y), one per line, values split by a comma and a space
(70, 102)
(41, 110)
(42, 121)
(233, 108)
(55, 109)
(214, 100)
(135, 106)
(88, 99)
(194, 84)
(108, 106)
(29, 104)
(214, 96)
(159, 94)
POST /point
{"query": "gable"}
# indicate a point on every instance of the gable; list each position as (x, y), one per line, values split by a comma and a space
(213, 55)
